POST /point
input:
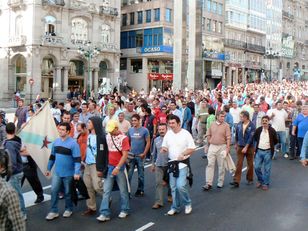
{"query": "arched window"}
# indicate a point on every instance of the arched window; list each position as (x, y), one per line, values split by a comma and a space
(18, 25)
(79, 30)
(102, 69)
(50, 25)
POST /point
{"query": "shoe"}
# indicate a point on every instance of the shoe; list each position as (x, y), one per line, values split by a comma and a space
(89, 212)
(103, 218)
(170, 199)
(139, 193)
(61, 195)
(51, 216)
(172, 212)
(67, 214)
(292, 158)
(39, 199)
(264, 187)
(258, 185)
(286, 156)
(204, 157)
(220, 186)
(249, 182)
(188, 209)
(156, 206)
(123, 215)
(235, 184)
(207, 187)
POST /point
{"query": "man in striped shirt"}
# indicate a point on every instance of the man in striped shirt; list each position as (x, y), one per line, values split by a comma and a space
(65, 155)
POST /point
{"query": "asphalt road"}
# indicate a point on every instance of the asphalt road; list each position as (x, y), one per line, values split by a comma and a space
(283, 207)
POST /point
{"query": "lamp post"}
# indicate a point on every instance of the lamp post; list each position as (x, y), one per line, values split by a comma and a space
(89, 52)
(31, 82)
(270, 54)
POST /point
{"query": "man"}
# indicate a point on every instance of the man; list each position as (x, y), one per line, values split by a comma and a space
(219, 140)
(247, 107)
(2, 129)
(304, 151)
(92, 110)
(130, 111)
(90, 177)
(179, 145)
(75, 121)
(228, 116)
(13, 145)
(294, 150)
(118, 147)
(82, 140)
(235, 112)
(301, 125)
(278, 118)
(175, 111)
(65, 156)
(140, 142)
(124, 125)
(202, 115)
(264, 105)
(84, 115)
(20, 114)
(257, 115)
(186, 116)
(55, 111)
(10, 216)
(244, 148)
(111, 115)
(266, 139)
(159, 166)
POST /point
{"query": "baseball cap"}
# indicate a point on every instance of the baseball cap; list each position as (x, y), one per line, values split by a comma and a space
(111, 125)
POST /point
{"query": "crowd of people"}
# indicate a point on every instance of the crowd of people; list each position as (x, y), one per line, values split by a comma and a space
(101, 141)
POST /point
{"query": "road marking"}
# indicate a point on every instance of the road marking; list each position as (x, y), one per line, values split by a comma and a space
(244, 169)
(47, 187)
(148, 225)
(30, 197)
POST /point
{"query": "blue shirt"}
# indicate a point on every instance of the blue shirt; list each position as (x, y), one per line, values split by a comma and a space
(91, 150)
(302, 125)
(304, 151)
(65, 155)
(160, 159)
(229, 119)
(247, 138)
(138, 137)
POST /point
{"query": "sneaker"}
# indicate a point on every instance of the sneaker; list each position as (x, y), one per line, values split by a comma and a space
(207, 187)
(61, 195)
(249, 182)
(188, 209)
(172, 212)
(39, 199)
(234, 184)
(220, 186)
(286, 156)
(67, 213)
(51, 216)
(265, 187)
(103, 218)
(139, 193)
(123, 215)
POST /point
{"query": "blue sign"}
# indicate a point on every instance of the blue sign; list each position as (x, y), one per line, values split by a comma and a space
(156, 49)
(215, 55)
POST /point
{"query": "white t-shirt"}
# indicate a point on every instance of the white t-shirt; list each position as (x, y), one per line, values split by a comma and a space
(235, 114)
(177, 143)
(278, 121)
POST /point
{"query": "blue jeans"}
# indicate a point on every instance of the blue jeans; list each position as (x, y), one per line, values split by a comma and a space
(108, 185)
(282, 142)
(15, 181)
(137, 161)
(263, 158)
(179, 189)
(56, 183)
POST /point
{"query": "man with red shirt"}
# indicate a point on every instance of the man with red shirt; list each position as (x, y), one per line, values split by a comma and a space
(118, 147)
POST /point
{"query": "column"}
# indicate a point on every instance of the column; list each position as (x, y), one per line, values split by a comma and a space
(95, 80)
(65, 80)
(11, 78)
(57, 93)
(179, 49)
(236, 76)
(145, 72)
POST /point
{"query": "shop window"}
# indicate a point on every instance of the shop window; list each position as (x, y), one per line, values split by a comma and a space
(136, 65)
(123, 64)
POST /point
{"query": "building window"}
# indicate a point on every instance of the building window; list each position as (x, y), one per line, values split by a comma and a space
(132, 18)
(157, 15)
(50, 25)
(214, 26)
(219, 27)
(209, 3)
(168, 15)
(123, 64)
(139, 38)
(214, 7)
(132, 39)
(148, 16)
(153, 37)
(208, 24)
(140, 17)
(136, 65)
(124, 40)
(219, 8)
(288, 64)
(124, 19)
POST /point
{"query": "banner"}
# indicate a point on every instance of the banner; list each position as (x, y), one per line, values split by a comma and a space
(157, 76)
(38, 135)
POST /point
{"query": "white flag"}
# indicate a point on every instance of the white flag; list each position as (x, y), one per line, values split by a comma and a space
(38, 135)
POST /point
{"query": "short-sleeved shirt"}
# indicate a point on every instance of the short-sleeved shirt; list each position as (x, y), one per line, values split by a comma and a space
(278, 121)
(301, 122)
(120, 142)
(138, 137)
(177, 143)
(21, 114)
(91, 152)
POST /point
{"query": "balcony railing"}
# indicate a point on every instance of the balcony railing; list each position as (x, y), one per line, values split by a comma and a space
(15, 41)
(106, 10)
(53, 3)
(255, 48)
(50, 40)
(287, 15)
(15, 3)
(235, 43)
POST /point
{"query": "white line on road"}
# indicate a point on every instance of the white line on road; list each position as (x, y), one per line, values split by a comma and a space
(148, 225)
(244, 169)
(29, 198)
(47, 187)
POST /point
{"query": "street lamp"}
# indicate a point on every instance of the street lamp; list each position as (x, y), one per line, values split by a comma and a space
(270, 54)
(31, 82)
(89, 52)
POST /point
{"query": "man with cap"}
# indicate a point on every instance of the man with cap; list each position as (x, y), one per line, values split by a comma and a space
(118, 147)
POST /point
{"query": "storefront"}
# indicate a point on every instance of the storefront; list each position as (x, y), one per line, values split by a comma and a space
(160, 81)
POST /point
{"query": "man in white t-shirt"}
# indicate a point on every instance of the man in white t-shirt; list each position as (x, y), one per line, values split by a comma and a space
(235, 112)
(278, 118)
(179, 145)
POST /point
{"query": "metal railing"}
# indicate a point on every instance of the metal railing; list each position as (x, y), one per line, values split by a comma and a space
(106, 10)
(52, 40)
(17, 40)
(235, 43)
(255, 48)
(287, 14)
(53, 3)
